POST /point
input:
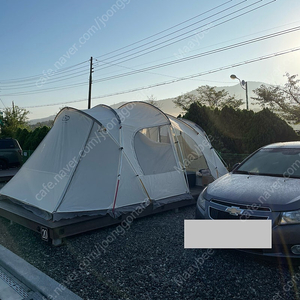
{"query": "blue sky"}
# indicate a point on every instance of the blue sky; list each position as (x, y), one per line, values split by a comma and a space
(42, 37)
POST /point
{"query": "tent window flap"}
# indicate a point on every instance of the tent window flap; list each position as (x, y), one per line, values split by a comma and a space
(154, 151)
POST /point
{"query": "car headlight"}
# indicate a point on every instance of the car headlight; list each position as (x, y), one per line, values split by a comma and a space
(290, 217)
(201, 200)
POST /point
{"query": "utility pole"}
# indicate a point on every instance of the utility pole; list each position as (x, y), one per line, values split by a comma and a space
(90, 83)
(247, 102)
(244, 85)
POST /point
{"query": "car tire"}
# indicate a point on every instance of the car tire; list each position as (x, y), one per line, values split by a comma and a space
(3, 164)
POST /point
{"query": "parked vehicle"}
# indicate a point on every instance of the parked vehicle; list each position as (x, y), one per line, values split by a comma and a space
(10, 153)
(266, 185)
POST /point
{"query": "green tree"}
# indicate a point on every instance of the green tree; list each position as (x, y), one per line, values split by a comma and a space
(34, 138)
(217, 99)
(185, 101)
(14, 118)
(266, 128)
(283, 100)
(22, 136)
(240, 131)
(207, 95)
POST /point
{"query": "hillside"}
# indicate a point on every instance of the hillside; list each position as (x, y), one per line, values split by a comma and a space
(167, 105)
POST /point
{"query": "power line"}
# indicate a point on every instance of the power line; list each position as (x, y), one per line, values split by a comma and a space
(229, 47)
(157, 44)
(161, 59)
(46, 90)
(145, 44)
(204, 73)
(216, 44)
(53, 80)
(36, 77)
(49, 81)
(133, 69)
(225, 48)
(261, 58)
(54, 104)
(173, 42)
(158, 33)
(161, 47)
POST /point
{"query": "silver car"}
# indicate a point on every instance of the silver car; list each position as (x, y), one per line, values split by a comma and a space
(266, 185)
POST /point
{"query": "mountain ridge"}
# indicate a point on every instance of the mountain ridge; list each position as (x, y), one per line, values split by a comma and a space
(167, 105)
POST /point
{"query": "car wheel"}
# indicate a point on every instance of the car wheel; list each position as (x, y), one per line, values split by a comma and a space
(3, 164)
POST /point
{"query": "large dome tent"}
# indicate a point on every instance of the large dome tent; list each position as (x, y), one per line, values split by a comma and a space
(105, 161)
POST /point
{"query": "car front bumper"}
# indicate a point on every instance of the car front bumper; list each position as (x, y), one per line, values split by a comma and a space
(284, 237)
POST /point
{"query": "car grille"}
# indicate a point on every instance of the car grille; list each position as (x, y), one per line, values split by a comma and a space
(223, 215)
(247, 207)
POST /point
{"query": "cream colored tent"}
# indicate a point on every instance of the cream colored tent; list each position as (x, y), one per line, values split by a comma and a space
(99, 161)
(196, 150)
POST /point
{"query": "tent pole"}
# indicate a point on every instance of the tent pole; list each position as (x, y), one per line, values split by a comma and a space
(144, 188)
(120, 166)
(182, 167)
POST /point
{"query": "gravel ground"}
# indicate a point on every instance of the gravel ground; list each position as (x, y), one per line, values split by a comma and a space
(148, 261)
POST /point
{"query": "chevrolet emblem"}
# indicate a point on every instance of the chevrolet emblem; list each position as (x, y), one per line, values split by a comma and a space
(233, 210)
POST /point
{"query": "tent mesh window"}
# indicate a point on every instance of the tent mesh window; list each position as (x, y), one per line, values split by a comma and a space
(154, 150)
(192, 157)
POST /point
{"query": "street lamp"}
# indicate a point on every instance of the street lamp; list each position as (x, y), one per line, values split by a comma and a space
(244, 85)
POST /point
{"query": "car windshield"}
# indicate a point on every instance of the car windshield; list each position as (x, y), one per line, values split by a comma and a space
(282, 162)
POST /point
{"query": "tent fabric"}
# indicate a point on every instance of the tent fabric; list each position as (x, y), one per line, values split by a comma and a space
(142, 115)
(197, 146)
(103, 177)
(106, 160)
(153, 157)
(193, 158)
(109, 119)
(43, 178)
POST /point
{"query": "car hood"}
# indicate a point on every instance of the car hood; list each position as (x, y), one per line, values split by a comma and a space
(278, 193)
